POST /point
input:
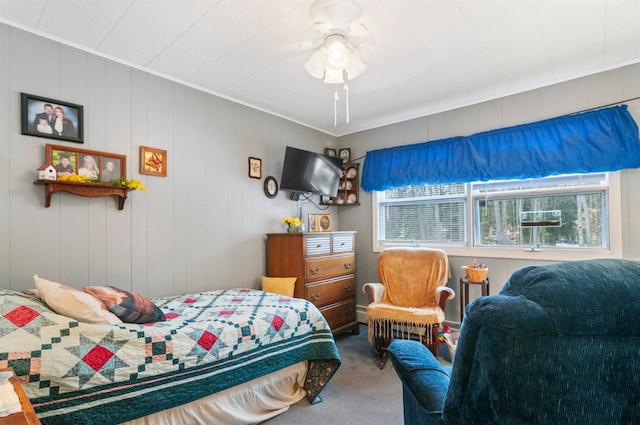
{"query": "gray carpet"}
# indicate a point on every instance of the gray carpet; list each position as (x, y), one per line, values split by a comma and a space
(358, 393)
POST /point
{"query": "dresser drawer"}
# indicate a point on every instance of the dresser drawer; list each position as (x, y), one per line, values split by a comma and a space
(318, 245)
(329, 292)
(325, 268)
(342, 243)
(339, 314)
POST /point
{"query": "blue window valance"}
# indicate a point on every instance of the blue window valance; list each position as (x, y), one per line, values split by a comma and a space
(595, 141)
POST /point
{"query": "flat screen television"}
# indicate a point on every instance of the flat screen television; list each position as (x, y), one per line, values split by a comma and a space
(305, 171)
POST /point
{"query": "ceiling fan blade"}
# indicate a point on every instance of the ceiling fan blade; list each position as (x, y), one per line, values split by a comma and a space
(310, 39)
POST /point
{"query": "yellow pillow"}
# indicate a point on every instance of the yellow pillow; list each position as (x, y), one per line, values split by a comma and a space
(279, 285)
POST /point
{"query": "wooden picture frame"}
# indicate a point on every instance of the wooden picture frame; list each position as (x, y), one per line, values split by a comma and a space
(153, 161)
(255, 168)
(51, 118)
(323, 222)
(104, 166)
(312, 223)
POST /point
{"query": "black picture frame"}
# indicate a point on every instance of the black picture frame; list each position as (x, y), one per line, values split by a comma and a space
(330, 152)
(270, 187)
(33, 118)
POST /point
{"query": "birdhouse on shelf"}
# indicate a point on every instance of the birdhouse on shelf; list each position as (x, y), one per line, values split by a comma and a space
(47, 172)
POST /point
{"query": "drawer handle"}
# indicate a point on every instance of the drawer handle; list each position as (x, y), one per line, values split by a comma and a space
(348, 312)
(315, 297)
(315, 271)
(347, 265)
(348, 288)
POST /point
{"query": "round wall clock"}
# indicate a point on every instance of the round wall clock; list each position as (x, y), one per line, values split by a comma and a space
(270, 187)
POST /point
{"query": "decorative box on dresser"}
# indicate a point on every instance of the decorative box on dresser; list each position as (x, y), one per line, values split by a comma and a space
(325, 265)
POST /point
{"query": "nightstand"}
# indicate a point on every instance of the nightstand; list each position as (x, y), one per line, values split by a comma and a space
(28, 415)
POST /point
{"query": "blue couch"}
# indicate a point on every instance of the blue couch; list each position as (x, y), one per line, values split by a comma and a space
(560, 344)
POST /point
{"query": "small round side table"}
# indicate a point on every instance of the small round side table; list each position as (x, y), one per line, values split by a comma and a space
(464, 292)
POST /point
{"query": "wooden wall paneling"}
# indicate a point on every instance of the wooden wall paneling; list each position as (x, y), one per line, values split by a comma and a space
(36, 74)
(178, 174)
(221, 219)
(138, 116)
(159, 194)
(197, 169)
(9, 121)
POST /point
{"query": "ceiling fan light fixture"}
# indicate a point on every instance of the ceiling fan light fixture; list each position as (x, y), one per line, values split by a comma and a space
(337, 53)
(334, 76)
(355, 67)
(338, 59)
(315, 66)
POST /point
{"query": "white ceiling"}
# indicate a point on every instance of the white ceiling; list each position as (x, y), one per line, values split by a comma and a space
(426, 56)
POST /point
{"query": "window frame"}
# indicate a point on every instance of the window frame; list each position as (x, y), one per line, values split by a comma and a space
(614, 232)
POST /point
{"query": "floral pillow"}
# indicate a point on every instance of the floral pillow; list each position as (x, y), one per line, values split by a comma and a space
(73, 303)
(128, 306)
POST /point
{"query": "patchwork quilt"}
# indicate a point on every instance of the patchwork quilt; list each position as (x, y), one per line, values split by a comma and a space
(79, 373)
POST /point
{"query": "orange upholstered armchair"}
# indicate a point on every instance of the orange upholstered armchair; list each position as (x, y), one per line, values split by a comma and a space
(410, 299)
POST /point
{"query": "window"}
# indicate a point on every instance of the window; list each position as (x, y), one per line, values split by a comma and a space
(426, 214)
(559, 213)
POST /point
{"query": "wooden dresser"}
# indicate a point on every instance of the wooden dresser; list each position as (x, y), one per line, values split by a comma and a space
(325, 265)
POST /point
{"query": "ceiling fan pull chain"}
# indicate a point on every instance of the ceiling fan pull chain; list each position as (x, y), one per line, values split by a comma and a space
(335, 106)
(346, 95)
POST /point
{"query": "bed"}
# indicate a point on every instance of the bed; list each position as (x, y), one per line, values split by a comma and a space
(231, 356)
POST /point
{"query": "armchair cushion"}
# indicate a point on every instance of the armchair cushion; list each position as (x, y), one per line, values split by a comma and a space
(408, 283)
(420, 372)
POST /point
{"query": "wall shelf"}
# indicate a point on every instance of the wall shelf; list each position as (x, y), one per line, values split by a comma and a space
(348, 189)
(90, 190)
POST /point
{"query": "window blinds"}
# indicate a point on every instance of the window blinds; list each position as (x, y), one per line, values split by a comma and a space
(600, 140)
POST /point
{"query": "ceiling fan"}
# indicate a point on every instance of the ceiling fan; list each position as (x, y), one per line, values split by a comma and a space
(339, 42)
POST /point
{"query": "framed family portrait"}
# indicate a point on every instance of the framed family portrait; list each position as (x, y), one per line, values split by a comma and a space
(153, 161)
(102, 166)
(319, 222)
(51, 118)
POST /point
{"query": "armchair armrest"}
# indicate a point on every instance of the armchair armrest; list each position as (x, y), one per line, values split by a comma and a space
(424, 380)
(443, 294)
(374, 291)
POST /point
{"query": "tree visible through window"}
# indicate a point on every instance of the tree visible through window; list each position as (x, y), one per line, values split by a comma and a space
(562, 211)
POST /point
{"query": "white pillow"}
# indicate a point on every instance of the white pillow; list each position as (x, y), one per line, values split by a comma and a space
(73, 303)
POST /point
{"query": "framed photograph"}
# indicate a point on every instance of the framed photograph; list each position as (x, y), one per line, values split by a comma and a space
(153, 161)
(345, 154)
(102, 166)
(330, 152)
(313, 222)
(255, 168)
(323, 222)
(50, 118)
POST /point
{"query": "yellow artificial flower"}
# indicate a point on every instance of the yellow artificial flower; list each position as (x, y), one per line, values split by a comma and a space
(292, 221)
(132, 184)
(77, 179)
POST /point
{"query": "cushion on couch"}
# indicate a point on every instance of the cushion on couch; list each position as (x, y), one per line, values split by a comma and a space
(73, 303)
(130, 307)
